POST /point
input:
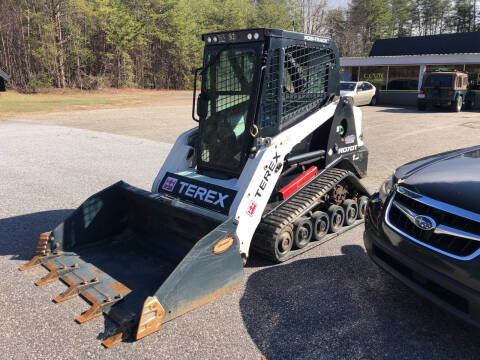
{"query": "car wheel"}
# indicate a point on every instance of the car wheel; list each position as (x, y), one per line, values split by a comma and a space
(457, 104)
(373, 102)
(421, 106)
(351, 100)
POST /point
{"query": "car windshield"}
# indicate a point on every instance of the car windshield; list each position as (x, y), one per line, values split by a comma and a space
(347, 86)
(227, 84)
(442, 80)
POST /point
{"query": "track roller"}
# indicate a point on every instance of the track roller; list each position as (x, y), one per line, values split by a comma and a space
(321, 224)
(283, 224)
(283, 243)
(337, 216)
(303, 232)
(350, 208)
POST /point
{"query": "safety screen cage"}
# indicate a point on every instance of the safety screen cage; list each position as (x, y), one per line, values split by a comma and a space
(300, 77)
(227, 84)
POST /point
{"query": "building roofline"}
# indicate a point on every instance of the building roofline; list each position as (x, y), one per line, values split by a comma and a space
(433, 59)
(446, 43)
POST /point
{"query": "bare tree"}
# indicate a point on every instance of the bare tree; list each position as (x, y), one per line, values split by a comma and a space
(312, 12)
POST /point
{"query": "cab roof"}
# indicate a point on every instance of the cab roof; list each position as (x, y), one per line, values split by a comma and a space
(259, 34)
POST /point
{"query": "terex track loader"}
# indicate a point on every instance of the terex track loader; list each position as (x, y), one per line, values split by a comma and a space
(273, 167)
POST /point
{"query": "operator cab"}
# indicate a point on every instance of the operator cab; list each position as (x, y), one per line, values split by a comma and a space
(256, 83)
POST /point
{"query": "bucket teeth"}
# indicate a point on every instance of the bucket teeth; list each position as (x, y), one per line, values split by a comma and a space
(97, 309)
(124, 331)
(38, 260)
(75, 289)
(126, 328)
(113, 340)
(42, 243)
(56, 273)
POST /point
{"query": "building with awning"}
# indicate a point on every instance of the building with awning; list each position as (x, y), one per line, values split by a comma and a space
(396, 66)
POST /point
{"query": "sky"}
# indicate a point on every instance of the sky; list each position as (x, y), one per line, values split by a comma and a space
(333, 4)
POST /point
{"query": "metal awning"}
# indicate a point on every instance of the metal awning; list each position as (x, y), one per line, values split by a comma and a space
(443, 59)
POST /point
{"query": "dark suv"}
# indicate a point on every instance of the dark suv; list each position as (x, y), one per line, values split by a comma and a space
(423, 227)
(446, 89)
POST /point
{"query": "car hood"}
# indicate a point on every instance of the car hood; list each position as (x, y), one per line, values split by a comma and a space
(452, 177)
(347, 93)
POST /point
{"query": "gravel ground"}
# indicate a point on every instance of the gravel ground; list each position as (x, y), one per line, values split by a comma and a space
(330, 303)
(160, 121)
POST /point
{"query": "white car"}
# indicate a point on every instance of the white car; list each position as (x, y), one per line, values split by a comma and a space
(362, 92)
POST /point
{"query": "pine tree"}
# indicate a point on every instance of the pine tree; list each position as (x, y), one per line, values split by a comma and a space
(463, 17)
(371, 19)
(402, 12)
(273, 14)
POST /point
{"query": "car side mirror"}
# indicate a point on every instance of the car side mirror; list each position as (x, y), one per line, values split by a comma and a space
(202, 106)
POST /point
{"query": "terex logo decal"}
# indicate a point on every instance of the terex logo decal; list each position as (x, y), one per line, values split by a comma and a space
(203, 194)
(251, 208)
(169, 184)
(206, 195)
(270, 169)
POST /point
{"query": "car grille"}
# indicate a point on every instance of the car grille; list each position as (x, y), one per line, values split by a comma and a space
(457, 231)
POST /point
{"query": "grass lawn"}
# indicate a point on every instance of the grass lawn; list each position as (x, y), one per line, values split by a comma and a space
(14, 104)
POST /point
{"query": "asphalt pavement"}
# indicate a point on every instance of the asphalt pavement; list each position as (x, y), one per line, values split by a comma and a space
(330, 303)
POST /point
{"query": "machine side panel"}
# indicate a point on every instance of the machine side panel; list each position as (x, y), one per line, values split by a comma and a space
(178, 158)
(345, 147)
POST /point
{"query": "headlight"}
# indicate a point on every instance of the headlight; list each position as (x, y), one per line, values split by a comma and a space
(385, 189)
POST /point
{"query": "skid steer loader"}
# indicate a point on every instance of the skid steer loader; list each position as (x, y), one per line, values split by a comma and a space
(273, 167)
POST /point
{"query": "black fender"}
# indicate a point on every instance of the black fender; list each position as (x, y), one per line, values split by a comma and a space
(343, 149)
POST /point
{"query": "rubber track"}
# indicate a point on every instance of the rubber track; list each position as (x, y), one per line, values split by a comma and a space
(300, 203)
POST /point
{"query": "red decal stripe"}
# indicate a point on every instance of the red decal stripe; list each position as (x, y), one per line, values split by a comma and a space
(296, 184)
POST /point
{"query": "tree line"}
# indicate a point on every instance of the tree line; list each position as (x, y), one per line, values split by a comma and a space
(90, 44)
(357, 27)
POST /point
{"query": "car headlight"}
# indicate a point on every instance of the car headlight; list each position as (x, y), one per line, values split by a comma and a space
(385, 189)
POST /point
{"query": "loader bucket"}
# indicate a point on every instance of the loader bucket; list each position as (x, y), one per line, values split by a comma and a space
(140, 258)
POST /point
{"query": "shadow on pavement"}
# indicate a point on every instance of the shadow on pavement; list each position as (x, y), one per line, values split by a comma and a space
(19, 234)
(345, 307)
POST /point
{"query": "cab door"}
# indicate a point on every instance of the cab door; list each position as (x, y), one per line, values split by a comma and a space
(360, 94)
(369, 92)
